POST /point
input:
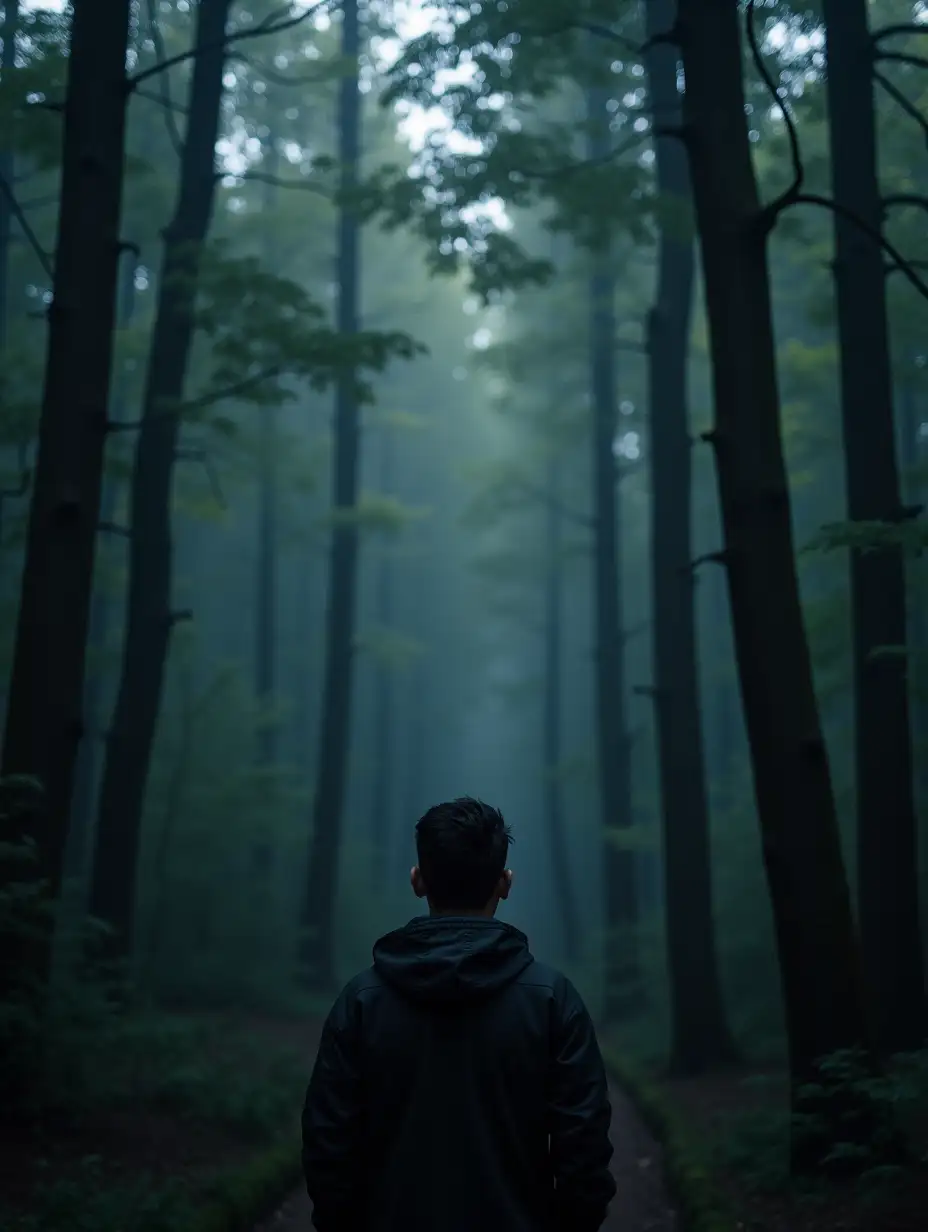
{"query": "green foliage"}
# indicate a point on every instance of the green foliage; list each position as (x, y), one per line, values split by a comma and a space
(910, 536)
(263, 328)
(375, 512)
(87, 1200)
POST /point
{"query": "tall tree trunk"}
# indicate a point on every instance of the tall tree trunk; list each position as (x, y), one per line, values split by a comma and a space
(816, 943)
(44, 725)
(7, 170)
(381, 825)
(911, 457)
(700, 1037)
(553, 753)
(101, 619)
(335, 726)
(149, 618)
(622, 990)
(887, 860)
(265, 662)
(266, 577)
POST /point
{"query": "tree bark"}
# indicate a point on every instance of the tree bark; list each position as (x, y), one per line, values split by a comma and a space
(911, 458)
(318, 950)
(44, 726)
(266, 575)
(622, 991)
(700, 1037)
(149, 618)
(555, 823)
(381, 825)
(7, 171)
(80, 836)
(819, 966)
(887, 830)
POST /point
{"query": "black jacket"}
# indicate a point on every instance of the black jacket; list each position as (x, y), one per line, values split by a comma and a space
(458, 1088)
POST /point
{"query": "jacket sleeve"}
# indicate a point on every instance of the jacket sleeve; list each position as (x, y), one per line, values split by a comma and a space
(579, 1116)
(332, 1121)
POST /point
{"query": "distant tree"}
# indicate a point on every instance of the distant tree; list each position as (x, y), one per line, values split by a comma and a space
(335, 720)
(700, 1037)
(622, 978)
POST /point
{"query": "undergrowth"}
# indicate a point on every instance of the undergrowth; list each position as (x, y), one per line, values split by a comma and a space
(90, 1201)
(754, 1144)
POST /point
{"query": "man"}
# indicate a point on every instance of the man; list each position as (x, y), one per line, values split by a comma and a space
(458, 1086)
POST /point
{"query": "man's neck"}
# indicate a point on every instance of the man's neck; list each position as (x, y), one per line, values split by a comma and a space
(484, 914)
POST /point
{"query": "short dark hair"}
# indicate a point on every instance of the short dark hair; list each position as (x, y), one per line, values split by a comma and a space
(462, 847)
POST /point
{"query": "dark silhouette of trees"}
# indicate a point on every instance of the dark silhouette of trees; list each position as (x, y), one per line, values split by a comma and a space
(700, 1037)
(44, 716)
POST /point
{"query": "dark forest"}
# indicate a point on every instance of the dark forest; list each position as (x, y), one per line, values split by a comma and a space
(403, 400)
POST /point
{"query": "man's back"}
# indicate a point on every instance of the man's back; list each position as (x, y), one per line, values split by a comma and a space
(458, 1087)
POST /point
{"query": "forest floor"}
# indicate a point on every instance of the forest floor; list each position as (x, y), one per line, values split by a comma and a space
(739, 1119)
(641, 1203)
(168, 1111)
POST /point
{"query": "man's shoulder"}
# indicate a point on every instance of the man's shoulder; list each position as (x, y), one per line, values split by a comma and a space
(540, 975)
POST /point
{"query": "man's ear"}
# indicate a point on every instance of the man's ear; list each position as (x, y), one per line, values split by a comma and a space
(505, 883)
(417, 883)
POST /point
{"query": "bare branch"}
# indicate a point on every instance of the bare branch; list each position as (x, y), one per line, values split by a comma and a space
(583, 164)
(903, 57)
(178, 108)
(44, 258)
(899, 262)
(901, 200)
(113, 528)
(899, 30)
(200, 455)
(598, 30)
(772, 211)
(260, 177)
(231, 391)
(710, 558)
(281, 79)
(273, 24)
(902, 99)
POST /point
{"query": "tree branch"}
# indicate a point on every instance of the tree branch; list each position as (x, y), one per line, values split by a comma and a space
(113, 528)
(280, 79)
(44, 258)
(583, 164)
(230, 391)
(899, 262)
(709, 558)
(772, 211)
(902, 57)
(200, 455)
(261, 177)
(902, 99)
(272, 24)
(898, 30)
(901, 200)
(178, 108)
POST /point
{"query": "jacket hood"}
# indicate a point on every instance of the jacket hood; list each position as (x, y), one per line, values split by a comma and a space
(451, 959)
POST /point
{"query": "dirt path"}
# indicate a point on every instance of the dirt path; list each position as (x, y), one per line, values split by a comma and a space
(641, 1204)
